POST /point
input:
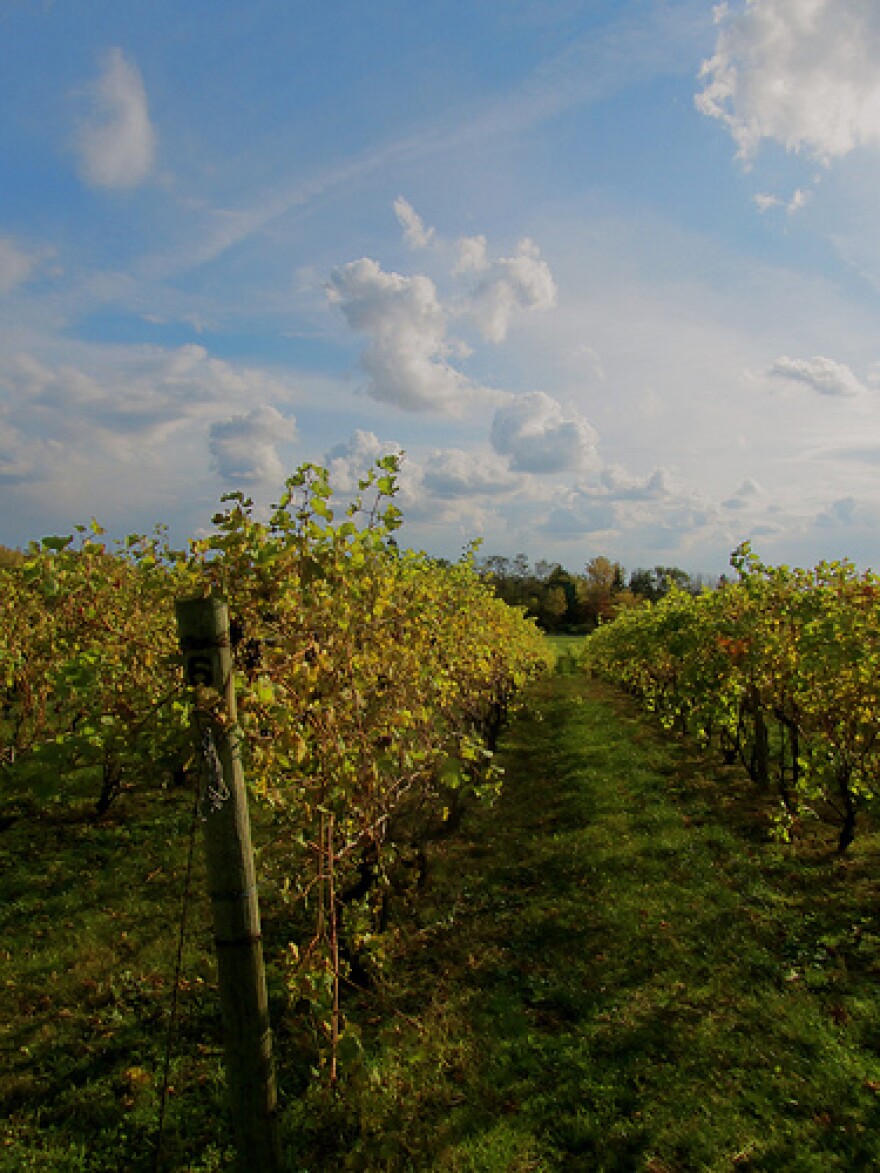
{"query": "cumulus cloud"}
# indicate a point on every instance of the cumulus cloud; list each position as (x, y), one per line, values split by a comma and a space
(473, 255)
(624, 487)
(138, 390)
(453, 473)
(132, 432)
(523, 281)
(824, 375)
(244, 448)
(802, 73)
(406, 358)
(537, 436)
(410, 354)
(350, 461)
(747, 493)
(634, 517)
(415, 233)
(116, 143)
(138, 414)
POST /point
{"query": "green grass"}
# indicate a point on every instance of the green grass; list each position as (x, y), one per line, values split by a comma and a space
(567, 650)
(612, 969)
(617, 972)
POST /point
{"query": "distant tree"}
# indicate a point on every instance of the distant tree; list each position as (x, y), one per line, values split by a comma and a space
(673, 576)
(654, 584)
(560, 600)
(603, 580)
(568, 584)
(643, 584)
(554, 607)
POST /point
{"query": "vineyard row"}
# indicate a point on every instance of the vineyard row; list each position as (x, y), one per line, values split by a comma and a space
(372, 684)
(780, 669)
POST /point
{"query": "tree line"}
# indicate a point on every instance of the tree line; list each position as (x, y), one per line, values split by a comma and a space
(563, 601)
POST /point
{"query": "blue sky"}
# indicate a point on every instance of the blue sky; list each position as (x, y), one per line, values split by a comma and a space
(608, 273)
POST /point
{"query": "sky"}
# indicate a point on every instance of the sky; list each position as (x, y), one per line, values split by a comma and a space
(607, 273)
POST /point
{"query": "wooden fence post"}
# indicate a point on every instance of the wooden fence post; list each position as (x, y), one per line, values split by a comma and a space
(203, 631)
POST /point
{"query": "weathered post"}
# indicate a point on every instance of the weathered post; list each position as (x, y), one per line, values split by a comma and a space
(203, 631)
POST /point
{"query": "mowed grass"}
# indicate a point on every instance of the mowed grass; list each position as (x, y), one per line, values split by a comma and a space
(613, 968)
(616, 970)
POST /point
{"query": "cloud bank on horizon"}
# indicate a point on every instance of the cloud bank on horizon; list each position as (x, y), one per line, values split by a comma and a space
(616, 293)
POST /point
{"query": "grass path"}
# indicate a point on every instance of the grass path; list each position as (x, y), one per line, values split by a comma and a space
(610, 969)
(613, 975)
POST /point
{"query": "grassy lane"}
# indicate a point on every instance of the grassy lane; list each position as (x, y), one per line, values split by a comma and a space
(616, 971)
(612, 969)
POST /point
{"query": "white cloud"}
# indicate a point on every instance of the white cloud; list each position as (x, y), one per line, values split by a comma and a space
(142, 390)
(747, 494)
(764, 201)
(402, 316)
(473, 255)
(244, 448)
(824, 375)
(799, 199)
(349, 462)
(16, 265)
(117, 143)
(122, 433)
(581, 515)
(624, 487)
(414, 232)
(802, 73)
(453, 473)
(523, 281)
(537, 436)
(635, 518)
(136, 416)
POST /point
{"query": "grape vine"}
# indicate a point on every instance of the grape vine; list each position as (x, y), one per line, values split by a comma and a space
(372, 683)
(778, 669)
